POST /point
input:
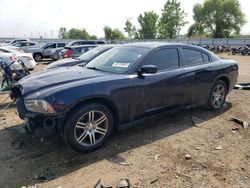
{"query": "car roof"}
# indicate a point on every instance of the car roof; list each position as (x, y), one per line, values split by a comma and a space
(81, 46)
(152, 45)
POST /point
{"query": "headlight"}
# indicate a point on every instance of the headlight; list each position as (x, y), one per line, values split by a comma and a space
(39, 106)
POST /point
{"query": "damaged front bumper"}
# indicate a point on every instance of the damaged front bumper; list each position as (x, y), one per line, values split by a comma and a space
(39, 124)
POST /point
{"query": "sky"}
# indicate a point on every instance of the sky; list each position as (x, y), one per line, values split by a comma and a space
(34, 18)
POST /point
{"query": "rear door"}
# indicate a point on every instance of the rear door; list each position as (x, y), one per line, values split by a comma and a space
(163, 90)
(200, 73)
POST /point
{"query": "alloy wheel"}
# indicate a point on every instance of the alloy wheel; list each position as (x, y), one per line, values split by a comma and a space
(91, 128)
(218, 96)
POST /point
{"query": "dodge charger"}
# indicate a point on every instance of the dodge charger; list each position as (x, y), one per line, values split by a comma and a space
(119, 88)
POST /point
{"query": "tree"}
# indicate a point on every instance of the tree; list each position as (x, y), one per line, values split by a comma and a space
(113, 34)
(78, 34)
(171, 20)
(195, 30)
(63, 34)
(148, 25)
(130, 30)
(218, 18)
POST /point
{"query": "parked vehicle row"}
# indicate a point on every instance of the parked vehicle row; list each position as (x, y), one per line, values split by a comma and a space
(120, 86)
(52, 49)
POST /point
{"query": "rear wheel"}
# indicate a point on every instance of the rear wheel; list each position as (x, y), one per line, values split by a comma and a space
(218, 95)
(88, 127)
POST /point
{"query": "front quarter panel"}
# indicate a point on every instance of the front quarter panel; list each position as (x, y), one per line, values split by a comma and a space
(116, 89)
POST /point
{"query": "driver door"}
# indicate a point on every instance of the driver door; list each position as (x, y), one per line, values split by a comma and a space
(48, 48)
(163, 90)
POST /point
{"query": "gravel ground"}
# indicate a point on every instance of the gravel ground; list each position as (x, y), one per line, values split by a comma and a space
(167, 152)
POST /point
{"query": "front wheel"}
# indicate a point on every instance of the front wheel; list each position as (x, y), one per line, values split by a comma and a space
(38, 57)
(218, 95)
(88, 127)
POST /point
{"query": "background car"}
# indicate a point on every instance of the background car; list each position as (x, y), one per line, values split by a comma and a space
(121, 87)
(83, 59)
(43, 50)
(55, 52)
(11, 60)
(75, 51)
(25, 45)
(84, 42)
(11, 42)
(26, 58)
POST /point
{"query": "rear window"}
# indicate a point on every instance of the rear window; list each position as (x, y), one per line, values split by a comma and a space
(192, 57)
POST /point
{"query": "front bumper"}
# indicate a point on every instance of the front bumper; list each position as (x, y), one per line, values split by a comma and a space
(40, 125)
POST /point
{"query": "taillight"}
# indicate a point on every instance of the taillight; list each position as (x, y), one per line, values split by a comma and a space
(12, 58)
(67, 54)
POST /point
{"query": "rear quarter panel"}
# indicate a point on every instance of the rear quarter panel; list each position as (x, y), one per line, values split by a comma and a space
(228, 69)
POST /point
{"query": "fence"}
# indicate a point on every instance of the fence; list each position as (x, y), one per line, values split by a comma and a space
(203, 41)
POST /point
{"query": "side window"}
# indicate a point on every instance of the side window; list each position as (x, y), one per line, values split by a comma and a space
(191, 57)
(82, 43)
(51, 46)
(100, 42)
(205, 58)
(164, 59)
(90, 42)
(25, 44)
(61, 45)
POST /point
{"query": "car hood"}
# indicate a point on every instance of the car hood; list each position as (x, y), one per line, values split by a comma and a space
(56, 78)
(62, 62)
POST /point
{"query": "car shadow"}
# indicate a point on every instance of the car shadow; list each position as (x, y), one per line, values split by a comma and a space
(23, 157)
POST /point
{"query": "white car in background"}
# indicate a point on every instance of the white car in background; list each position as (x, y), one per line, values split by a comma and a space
(11, 59)
(11, 42)
(27, 58)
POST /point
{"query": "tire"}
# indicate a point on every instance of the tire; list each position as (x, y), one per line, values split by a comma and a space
(88, 127)
(37, 57)
(217, 95)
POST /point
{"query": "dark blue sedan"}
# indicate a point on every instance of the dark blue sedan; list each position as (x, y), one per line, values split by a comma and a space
(120, 87)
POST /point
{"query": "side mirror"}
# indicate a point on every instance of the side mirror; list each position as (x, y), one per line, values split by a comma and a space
(150, 69)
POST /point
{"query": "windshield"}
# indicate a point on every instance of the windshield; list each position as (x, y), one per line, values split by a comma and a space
(43, 45)
(91, 54)
(117, 60)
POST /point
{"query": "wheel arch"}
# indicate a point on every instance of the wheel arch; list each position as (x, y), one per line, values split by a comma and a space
(40, 53)
(105, 101)
(226, 80)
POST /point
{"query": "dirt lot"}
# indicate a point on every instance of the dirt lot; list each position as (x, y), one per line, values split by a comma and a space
(149, 155)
